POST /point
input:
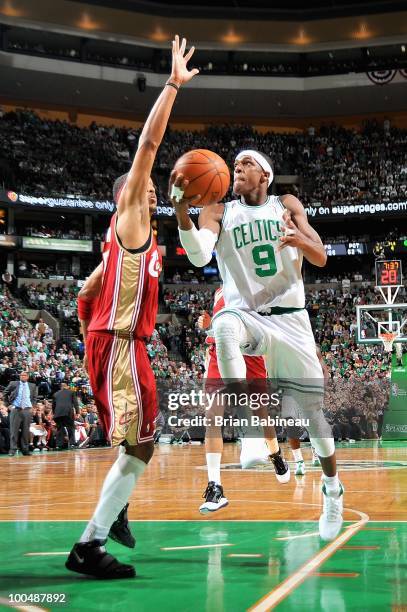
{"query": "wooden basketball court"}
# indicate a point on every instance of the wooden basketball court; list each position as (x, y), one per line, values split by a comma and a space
(260, 552)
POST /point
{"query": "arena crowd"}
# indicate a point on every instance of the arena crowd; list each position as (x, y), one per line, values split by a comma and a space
(333, 164)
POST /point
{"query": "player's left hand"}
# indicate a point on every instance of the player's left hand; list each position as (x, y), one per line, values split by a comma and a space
(292, 235)
(204, 321)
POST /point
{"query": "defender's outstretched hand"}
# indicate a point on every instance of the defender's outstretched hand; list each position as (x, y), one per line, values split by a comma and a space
(180, 73)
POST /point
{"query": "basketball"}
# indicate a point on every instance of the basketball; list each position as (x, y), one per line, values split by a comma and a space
(207, 173)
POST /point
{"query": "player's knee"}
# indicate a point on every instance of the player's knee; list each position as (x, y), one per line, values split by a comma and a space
(144, 452)
(227, 332)
(324, 447)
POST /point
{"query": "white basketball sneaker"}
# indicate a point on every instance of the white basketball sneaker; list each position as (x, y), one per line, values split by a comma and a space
(331, 519)
(214, 498)
(300, 468)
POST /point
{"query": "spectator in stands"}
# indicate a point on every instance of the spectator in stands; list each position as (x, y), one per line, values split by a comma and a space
(42, 328)
(4, 429)
(38, 431)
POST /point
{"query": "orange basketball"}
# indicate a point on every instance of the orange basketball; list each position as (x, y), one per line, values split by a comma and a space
(207, 173)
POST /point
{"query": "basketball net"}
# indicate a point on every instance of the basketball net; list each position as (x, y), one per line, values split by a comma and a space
(388, 338)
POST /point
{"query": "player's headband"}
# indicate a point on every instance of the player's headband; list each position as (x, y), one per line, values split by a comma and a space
(262, 161)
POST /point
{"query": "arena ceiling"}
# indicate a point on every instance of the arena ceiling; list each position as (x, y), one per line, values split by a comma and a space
(255, 9)
(289, 25)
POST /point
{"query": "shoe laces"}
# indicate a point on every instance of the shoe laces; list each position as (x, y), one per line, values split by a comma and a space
(210, 489)
(279, 463)
(333, 507)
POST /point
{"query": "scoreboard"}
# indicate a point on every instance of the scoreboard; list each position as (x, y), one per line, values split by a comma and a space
(346, 248)
(388, 273)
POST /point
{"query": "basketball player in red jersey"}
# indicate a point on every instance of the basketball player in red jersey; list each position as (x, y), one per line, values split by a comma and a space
(87, 300)
(124, 314)
(254, 451)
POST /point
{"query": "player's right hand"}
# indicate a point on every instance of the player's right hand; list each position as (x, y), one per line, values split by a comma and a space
(204, 320)
(179, 72)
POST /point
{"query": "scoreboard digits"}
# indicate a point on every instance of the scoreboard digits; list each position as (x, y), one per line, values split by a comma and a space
(388, 273)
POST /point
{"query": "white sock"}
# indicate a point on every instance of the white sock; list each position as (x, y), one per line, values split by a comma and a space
(332, 485)
(117, 488)
(297, 454)
(213, 464)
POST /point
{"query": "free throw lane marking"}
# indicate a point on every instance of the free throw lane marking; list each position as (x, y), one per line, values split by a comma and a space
(379, 528)
(292, 582)
(295, 537)
(359, 548)
(336, 574)
(45, 554)
(245, 556)
(194, 547)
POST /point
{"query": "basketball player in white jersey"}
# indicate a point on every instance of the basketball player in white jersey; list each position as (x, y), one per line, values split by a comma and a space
(260, 242)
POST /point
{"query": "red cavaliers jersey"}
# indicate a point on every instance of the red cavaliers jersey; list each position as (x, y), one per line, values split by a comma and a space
(128, 299)
(218, 304)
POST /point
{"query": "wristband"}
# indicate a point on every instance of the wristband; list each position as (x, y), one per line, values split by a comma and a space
(85, 309)
(169, 84)
(198, 244)
(176, 193)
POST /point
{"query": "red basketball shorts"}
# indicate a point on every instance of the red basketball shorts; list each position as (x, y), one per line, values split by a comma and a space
(255, 367)
(123, 386)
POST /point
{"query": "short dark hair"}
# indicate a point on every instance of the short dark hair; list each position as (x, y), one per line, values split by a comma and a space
(118, 186)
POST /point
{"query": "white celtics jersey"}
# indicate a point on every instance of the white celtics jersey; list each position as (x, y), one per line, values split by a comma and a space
(255, 275)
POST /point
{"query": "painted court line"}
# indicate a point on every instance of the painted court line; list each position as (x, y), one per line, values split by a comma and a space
(292, 582)
(336, 574)
(359, 548)
(296, 537)
(202, 520)
(243, 556)
(380, 528)
(45, 554)
(194, 547)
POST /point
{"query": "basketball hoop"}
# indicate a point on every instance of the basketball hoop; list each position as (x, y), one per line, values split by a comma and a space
(388, 339)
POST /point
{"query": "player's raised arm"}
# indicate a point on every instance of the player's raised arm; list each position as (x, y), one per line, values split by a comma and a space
(198, 244)
(300, 234)
(134, 192)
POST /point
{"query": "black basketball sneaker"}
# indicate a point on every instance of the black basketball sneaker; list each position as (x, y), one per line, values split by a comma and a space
(280, 467)
(120, 530)
(214, 498)
(91, 558)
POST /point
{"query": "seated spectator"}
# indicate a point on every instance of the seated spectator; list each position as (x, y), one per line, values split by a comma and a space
(4, 429)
